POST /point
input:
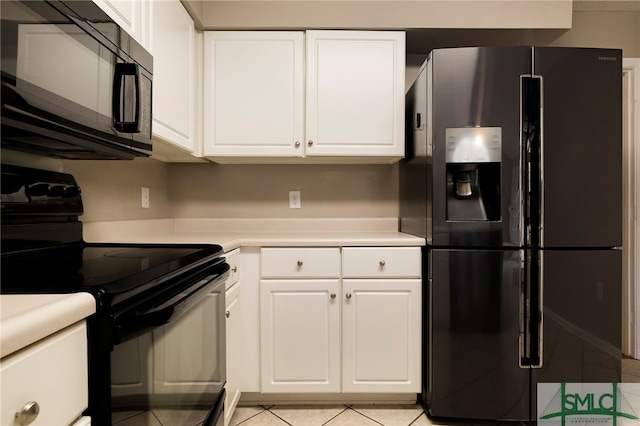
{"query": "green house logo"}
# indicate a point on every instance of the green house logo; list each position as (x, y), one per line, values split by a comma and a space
(594, 403)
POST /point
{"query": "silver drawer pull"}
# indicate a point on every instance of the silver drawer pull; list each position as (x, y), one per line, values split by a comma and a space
(382, 263)
(299, 263)
(234, 269)
(28, 413)
(227, 314)
(348, 295)
(333, 295)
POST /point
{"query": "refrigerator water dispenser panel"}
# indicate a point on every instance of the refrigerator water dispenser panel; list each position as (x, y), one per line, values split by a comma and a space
(473, 157)
(474, 145)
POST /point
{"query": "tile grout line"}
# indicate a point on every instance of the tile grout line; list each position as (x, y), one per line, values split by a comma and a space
(345, 409)
(365, 416)
(277, 416)
(249, 418)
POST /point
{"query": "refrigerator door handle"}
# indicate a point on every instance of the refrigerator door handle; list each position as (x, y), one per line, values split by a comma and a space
(531, 309)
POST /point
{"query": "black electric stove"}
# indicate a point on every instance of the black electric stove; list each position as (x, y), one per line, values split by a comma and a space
(140, 289)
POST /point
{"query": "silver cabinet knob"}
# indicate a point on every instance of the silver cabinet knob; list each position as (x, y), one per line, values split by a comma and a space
(227, 314)
(382, 263)
(234, 269)
(333, 295)
(299, 263)
(28, 413)
(348, 295)
(310, 142)
(297, 144)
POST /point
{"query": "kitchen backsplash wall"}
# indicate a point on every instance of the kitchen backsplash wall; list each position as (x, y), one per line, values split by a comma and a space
(111, 190)
(250, 191)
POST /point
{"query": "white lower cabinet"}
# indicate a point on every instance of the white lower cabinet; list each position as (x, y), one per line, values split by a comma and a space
(381, 326)
(300, 335)
(51, 374)
(233, 316)
(322, 329)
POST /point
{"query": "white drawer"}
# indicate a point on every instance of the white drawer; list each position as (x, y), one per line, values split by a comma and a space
(233, 259)
(51, 372)
(300, 262)
(381, 262)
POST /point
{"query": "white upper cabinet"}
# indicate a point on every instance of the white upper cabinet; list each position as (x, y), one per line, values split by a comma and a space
(256, 109)
(131, 15)
(254, 94)
(174, 74)
(355, 93)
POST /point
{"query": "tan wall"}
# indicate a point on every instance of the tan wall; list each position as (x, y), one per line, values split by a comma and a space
(111, 190)
(248, 191)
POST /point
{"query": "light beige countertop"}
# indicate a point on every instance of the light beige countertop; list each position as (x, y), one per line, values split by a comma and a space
(234, 233)
(25, 319)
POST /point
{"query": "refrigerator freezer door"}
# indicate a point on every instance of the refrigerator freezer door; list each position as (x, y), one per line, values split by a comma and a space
(473, 356)
(581, 146)
(478, 88)
(581, 317)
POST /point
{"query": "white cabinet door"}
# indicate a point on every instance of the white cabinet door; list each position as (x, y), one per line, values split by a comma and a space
(233, 315)
(300, 335)
(254, 93)
(131, 15)
(355, 93)
(53, 373)
(173, 49)
(381, 335)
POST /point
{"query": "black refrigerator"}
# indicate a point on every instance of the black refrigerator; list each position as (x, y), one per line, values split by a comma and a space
(513, 176)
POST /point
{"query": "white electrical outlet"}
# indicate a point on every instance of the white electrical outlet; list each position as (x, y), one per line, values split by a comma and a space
(294, 200)
(145, 197)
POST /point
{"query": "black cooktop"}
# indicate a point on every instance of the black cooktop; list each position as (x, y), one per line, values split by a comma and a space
(43, 250)
(112, 272)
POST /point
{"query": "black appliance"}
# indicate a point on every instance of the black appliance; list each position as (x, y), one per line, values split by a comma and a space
(513, 176)
(157, 339)
(74, 84)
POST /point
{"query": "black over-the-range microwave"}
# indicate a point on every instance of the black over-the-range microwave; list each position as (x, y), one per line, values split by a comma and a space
(74, 84)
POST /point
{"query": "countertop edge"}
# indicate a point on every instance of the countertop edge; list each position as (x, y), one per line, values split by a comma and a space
(37, 320)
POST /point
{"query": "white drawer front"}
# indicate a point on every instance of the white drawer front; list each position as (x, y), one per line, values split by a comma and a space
(376, 262)
(233, 259)
(53, 373)
(300, 262)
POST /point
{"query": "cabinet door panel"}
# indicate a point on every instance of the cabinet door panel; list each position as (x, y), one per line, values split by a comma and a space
(233, 315)
(173, 38)
(300, 335)
(254, 93)
(355, 93)
(52, 372)
(382, 325)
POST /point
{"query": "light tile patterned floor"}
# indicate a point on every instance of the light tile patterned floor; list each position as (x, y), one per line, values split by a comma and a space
(322, 415)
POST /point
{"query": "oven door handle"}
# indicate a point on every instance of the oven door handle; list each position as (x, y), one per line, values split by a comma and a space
(141, 322)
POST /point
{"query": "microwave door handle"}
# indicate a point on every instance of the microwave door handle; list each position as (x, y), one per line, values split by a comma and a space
(122, 71)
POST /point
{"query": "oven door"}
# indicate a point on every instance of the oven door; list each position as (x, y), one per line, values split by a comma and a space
(168, 360)
(72, 85)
